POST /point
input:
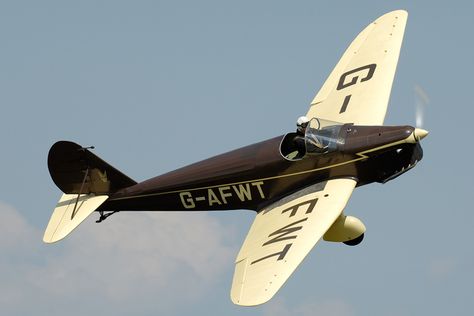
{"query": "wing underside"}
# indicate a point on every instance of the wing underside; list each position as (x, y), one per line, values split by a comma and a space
(358, 89)
(282, 235)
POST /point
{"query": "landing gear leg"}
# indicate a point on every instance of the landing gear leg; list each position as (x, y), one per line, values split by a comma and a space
(103, 215)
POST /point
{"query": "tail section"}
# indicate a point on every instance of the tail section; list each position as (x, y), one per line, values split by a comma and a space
(76, 170)
(86, 180)
(71, 210)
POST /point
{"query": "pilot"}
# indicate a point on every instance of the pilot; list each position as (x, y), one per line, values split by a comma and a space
(301, 124)
(299, 139)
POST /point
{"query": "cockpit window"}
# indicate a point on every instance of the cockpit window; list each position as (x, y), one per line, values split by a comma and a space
(321, 137)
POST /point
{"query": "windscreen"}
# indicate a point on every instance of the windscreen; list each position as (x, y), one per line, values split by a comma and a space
(322, 136)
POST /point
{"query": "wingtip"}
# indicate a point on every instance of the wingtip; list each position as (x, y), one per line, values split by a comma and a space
(242, 295)
(398, 14)
(249, 302)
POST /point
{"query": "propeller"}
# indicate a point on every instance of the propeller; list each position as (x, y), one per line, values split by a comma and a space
(421, 101)
(419, 114)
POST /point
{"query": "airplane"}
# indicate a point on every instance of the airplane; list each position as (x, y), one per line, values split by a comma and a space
(299, 197)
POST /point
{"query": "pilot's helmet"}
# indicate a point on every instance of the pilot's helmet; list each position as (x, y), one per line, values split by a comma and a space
(301, 123)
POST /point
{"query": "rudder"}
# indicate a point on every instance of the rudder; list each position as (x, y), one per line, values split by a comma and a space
(76, 170)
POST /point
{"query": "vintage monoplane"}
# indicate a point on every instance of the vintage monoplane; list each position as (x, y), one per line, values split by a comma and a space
(298, 197)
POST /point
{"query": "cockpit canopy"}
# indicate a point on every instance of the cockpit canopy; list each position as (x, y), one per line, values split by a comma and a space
(321, 137)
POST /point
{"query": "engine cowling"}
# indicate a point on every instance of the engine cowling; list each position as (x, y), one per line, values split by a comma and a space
(347, 229)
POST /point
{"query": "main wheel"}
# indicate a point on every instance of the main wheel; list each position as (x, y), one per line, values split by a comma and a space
(354, 242)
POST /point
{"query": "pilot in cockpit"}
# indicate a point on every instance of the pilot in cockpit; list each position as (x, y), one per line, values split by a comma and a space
(299, 139)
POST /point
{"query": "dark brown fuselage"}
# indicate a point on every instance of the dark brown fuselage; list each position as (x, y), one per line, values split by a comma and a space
(256, 175)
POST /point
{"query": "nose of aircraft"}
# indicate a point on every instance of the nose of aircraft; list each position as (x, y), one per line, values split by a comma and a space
(417, 135)
(420, 133)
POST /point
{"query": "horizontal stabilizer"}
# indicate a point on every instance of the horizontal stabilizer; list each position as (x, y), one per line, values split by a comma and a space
(69, 213)
(76, 170)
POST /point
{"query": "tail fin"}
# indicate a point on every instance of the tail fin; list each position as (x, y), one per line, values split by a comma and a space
(86, 180)
(75, 170)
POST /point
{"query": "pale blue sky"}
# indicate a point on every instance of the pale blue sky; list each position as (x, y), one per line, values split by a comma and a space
(158, 85)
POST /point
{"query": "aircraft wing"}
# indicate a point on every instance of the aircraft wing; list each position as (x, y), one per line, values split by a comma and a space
(282, 235)
(358, 89)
